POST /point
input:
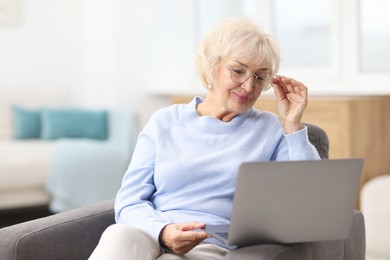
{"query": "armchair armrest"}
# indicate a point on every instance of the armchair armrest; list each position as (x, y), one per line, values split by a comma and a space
(353, 248)
(69, 235)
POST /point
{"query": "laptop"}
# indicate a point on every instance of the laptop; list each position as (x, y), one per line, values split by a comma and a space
(291, 202)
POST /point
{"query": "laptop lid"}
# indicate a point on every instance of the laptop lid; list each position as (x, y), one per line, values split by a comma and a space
(294, 201)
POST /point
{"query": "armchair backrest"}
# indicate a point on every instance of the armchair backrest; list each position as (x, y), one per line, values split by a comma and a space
(319, 138)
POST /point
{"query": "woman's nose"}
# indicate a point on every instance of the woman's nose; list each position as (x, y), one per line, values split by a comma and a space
(249, 84)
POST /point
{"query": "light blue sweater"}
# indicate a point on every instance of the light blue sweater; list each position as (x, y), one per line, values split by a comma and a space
(184, 165)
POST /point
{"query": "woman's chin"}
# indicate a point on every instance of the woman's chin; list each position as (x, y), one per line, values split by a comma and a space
(239, 108)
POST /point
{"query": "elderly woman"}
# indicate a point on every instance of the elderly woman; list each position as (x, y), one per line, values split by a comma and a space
(183, 171)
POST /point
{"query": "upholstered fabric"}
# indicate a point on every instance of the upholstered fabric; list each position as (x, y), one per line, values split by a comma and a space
(319, 139)
(79, 166)
(69, 235)
(74, 235)
(74, 123)
(353, 248)
(29, 98)
(375, 205)
(27, 123)
(24, 164)
(70, 169)
(24, 167)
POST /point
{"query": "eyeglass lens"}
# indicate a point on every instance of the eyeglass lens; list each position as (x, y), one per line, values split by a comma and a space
(240, 75)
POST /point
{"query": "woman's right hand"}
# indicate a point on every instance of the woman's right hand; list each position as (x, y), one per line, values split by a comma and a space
(291, 98)
(181, 238)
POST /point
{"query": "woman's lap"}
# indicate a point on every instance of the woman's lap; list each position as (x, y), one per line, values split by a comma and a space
(127, 242)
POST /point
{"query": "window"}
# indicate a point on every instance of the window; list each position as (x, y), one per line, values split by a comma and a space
(333, 46)
(208, 13)
(375, 36)
(308, 35)
(303, 30)
(307, 32)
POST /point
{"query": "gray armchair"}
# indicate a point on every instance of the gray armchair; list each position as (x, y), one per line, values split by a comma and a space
(74, 234)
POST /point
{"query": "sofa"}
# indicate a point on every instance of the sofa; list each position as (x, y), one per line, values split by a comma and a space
(25, 164)
(74, 234)
(60, 171)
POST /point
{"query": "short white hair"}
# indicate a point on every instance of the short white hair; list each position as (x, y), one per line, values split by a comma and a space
(245, 39)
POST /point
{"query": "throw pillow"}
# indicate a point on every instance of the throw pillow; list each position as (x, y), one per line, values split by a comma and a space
(26, 122)
(74, 123)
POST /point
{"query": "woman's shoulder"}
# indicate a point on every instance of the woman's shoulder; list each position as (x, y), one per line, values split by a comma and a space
(263, 115)
(171, 114)
(175, 110)
(264, 121)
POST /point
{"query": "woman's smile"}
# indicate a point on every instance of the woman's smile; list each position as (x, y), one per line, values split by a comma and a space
(241, 98)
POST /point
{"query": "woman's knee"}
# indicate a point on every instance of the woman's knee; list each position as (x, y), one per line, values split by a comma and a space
(120, 241)
(127, 234)
(118, 232)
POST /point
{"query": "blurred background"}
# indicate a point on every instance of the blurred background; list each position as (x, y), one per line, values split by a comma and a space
(138, 56)
(135, 53)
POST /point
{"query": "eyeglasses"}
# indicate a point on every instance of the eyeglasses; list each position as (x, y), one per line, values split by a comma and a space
(240, 74)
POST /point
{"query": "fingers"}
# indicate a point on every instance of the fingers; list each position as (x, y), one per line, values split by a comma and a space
(181, 238)
(283, 85)
(291, 99)
(191, 225)
(192, 231)
(192, 236)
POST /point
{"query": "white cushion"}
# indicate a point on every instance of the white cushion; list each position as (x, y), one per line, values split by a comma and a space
(375, 205)
(24, 164)
(23, 198)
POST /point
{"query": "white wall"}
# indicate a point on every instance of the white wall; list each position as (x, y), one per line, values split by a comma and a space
(45, 49)
(136, 50)
(104, 51)
(100, 53)
(151, 40)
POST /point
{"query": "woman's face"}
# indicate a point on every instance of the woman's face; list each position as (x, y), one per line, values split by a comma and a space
(238, 84)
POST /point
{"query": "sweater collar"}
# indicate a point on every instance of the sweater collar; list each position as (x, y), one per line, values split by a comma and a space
(209, 124)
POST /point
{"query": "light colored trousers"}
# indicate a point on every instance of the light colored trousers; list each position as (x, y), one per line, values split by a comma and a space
(123, 242)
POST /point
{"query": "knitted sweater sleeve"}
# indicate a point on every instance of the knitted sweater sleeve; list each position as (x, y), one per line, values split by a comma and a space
(295, 146)
(132, 204)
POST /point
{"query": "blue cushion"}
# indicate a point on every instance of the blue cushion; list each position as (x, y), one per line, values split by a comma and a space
(74, 123)
(27, 123)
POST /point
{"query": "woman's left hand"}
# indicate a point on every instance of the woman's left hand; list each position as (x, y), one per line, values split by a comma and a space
(181, 238)
(291, 98)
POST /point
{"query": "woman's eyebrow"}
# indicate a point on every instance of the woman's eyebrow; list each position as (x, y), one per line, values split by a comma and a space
(246, 66)
(242, 64)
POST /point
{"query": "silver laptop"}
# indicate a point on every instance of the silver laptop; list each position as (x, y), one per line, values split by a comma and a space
(291, 202)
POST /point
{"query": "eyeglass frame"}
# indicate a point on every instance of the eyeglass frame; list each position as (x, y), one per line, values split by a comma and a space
(247, 76)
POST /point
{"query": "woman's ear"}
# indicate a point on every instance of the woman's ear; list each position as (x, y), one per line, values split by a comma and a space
(209, 82)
